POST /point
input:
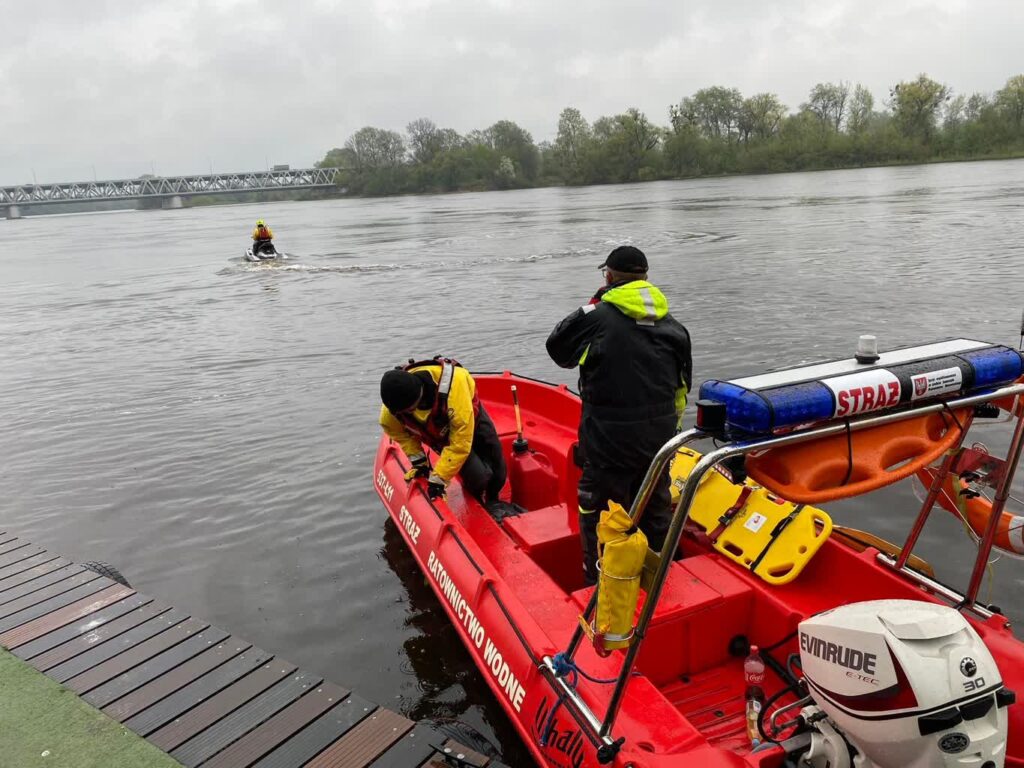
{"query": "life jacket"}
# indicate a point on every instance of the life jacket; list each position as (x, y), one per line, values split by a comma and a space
(434, 431)
(262, 233)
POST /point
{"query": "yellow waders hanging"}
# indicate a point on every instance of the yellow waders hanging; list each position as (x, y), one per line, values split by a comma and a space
(622, 549)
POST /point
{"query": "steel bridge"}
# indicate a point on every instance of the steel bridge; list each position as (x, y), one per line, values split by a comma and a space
(169, 190)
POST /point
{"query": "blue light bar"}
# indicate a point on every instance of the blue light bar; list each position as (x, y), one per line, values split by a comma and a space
(844, 388)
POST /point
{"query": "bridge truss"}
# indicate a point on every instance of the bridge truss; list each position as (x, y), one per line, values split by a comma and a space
(168, 186)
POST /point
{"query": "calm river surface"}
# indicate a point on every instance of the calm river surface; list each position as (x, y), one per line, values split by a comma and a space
(209, 426)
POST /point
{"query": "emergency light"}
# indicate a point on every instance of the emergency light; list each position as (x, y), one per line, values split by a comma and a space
(843, 388)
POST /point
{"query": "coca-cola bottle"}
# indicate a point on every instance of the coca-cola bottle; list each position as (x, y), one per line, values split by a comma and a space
(753, 675)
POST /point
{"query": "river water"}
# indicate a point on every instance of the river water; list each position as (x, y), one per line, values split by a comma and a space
(208, 426)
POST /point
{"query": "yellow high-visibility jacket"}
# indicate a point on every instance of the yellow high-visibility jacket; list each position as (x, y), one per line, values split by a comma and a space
(458, 440)
(265, 235)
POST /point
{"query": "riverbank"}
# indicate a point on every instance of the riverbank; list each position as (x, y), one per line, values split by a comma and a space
(550, 183)
(262, 198)
(45, 724)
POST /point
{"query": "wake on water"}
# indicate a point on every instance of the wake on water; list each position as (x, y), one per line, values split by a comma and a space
(289, 264)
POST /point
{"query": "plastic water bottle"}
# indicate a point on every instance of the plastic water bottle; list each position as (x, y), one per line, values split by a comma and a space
(753, 675)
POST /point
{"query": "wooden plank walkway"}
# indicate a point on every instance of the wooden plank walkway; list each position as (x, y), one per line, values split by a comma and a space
(197, 692)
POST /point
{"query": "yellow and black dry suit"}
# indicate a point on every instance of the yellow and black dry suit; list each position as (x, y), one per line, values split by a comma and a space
(262, 233)
(261, 238)
(635, 374)
(451, 421)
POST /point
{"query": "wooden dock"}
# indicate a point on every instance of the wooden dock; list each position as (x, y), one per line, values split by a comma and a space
(200, 694)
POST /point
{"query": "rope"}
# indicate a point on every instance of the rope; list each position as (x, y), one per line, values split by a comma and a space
(566, 667)
(780, 643)
(947, 409)
(849, 453)
(1000, 553)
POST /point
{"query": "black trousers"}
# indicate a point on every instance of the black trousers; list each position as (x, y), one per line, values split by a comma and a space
(258, 245)
(484, 472)
(598, 486)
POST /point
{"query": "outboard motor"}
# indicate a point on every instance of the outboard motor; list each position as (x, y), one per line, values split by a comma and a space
(901, 684)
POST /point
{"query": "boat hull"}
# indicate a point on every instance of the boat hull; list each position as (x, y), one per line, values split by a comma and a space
(513, 602)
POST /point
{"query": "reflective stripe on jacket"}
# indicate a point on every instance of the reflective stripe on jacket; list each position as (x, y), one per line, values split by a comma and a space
(635, 371)
(449, 433)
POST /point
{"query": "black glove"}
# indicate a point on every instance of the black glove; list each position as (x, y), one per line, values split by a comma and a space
(420, 467)
(435, 488)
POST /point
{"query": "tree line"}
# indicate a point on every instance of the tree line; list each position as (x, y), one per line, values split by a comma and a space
(715, 131)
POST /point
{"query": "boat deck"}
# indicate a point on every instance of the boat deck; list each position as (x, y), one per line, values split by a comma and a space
(195, 691)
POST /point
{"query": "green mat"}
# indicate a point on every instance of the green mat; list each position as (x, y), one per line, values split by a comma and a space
(44, 725)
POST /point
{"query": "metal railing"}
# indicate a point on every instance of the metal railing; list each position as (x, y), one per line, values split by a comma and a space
(602, 726)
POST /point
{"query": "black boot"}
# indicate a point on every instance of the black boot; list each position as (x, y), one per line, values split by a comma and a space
(499, 509)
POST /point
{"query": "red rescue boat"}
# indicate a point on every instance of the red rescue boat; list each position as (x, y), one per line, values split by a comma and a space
(870, 660)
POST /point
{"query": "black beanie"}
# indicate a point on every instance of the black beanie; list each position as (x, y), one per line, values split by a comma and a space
(399, 390)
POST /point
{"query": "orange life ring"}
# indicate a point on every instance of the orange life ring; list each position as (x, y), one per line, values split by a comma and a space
(976, 511)
(1013, 405)
(847, 465)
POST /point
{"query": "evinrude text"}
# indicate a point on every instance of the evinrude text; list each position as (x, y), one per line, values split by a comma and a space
(851, 658)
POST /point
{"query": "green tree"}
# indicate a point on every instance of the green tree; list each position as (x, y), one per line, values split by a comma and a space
(372, 148)
(976, 105)
(427, 141)
(827, 102)
(761, 115)
(954, 114)
(862, 106)
(713, 131)
(571, 144)
(509, 140)
(505, 176)
(338, 158)
(684, 150)
(640, 139)
(623, 148)
(715, 111)
(916, 106)
(1010, 101)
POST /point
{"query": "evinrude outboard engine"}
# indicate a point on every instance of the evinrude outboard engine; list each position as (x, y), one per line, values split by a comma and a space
(906, 684)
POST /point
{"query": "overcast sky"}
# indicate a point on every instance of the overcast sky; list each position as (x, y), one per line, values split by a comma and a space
(173, 86)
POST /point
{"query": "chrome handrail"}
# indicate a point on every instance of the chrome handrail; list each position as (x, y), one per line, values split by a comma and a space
(688, 493)
(937, 588)
(996, 512)
(547, 668)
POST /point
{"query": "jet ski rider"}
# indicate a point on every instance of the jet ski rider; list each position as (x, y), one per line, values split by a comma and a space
(261, 237)
(434, 402)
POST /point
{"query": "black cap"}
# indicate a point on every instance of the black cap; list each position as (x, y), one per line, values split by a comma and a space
(626, 258)
(399, 390)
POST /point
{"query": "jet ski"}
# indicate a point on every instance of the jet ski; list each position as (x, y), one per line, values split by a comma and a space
(263, 252)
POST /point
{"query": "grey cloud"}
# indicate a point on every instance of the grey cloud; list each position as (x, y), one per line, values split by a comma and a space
(123, 84)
